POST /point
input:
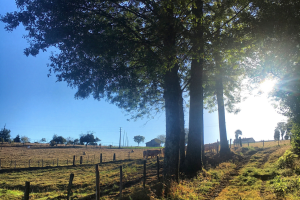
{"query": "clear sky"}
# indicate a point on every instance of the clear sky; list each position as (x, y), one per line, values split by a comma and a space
(33, 105)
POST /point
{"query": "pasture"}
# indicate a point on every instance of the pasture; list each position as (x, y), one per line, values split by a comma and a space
(51, 180)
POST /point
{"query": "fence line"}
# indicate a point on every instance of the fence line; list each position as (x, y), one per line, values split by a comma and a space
(97, 178)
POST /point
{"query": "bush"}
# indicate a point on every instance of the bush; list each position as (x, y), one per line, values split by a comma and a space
(296, 138)
(287, 160)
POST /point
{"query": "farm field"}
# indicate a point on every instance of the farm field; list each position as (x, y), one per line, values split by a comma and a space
(249, 173)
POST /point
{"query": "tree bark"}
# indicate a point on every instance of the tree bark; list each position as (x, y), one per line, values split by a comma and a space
(172, 95)
(221, 111)
(195, 137)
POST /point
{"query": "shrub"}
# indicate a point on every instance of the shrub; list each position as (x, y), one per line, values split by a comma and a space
(287, 160)
(296, 138)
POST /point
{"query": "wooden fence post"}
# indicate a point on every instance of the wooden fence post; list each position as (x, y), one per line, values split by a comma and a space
(240, 141)
(230, 143)
(114, 158)
(217, 146)
(121, 175)
(70, 186)
(81, 160)
(263, 143)
(97, 182)
(74, 160)
(144, 181)
(158, 168)
(100, 158)
(27, 190)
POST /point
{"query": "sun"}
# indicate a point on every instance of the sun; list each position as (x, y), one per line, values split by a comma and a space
(267, 85)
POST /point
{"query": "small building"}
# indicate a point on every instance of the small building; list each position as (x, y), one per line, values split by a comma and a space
(244, 140)
(153, 143)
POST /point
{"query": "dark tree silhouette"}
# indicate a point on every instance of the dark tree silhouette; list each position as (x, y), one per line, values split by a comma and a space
(138, 139)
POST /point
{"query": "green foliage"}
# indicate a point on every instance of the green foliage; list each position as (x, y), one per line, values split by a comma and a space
(5, 134)
(296, 138)
(58, 139)
(139, 139)
(287, 160)
(279, 186)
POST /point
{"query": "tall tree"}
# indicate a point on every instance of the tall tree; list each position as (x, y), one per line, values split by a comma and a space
(113, 49)
(195, 136)
(5, 134)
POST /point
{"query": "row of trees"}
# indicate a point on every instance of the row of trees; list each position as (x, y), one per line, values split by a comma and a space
(283, 129)
(5, 137)
(85, 139)
(144, 55)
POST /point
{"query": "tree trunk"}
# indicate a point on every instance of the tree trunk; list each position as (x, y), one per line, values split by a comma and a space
(221, 111)
(172, 95)
(195, 137)
(182, 134)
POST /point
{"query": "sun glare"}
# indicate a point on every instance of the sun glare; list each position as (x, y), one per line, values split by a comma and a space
(267, 85)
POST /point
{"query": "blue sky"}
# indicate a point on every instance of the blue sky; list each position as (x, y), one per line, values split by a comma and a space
(36, 106)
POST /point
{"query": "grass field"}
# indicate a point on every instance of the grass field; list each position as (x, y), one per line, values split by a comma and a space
(241, 175)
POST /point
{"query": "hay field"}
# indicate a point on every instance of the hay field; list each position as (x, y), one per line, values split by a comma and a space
(20, 156)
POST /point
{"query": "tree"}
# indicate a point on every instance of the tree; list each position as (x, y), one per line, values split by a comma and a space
(123, 47)
(276, 134)
(43, 140)
(237, 133)
(133, 53)
(25, 139)
(76, 141)
(161, 138)
(58, 139)
(88, 138)
(69, 140)
(5, 134)
(17, 138)
(138, 139)
(281, 126)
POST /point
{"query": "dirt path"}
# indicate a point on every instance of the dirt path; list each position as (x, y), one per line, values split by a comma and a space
(240, 164)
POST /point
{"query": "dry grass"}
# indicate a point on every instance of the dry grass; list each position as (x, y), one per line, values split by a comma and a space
(52, 182)
(21, 155)
(265, 144)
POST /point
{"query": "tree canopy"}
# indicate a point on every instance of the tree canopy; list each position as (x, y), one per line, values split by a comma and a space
(17, 138)
(88, 138)
(138, 139)
(5, 134)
